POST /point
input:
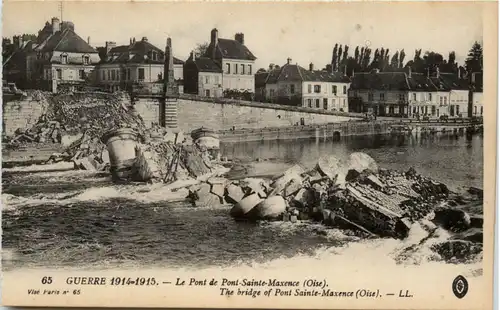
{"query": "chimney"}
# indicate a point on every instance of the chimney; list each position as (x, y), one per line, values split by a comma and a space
(133, 40)
(214, 37)
(271, 67)
(288, 61)
(56, 26)
(88, 40)
(144, 39)
(408, 70)
(191, 55)
(240, 37)
(109, 46)
(311, 67)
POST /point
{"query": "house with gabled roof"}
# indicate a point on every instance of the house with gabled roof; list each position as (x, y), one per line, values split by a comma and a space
(236, 61)
(409, 94)
(139, 63)
(202, 76)
(293, 85)
(60, 58)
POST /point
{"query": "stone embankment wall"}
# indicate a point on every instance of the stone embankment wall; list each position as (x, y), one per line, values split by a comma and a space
(21, 114)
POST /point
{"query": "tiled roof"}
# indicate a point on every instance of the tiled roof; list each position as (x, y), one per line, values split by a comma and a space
(136, 53)
(230, 49)
(67, 41)
(404, 82)
(205, 64)
(295, 73)
(260, 79)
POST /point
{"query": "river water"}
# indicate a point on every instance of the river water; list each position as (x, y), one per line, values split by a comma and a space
(57, 217)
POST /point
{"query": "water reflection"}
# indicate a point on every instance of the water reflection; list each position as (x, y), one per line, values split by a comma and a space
(454, 159)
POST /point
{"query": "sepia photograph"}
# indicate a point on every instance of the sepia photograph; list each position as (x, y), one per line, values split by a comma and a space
(301, 154)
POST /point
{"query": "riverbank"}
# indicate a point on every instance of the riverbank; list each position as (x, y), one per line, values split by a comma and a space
(80, 218)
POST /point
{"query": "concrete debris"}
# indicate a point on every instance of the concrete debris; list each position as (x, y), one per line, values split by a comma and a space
(372, 202)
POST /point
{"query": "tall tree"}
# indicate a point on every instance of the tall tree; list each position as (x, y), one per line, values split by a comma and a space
(200, 49)
(474, 60)
(395, 61)
(334, 57)
(401, 58)
(356, 54)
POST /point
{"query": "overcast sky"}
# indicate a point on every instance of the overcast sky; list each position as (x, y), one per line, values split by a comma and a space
(305, 32)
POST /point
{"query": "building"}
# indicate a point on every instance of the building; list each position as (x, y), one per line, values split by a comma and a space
(58, 58)
(293, 85)
(477, 93)
(138, 64)
(408, 94)
(202, 77)
(235, 60)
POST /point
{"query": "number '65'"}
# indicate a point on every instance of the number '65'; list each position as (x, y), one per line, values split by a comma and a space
(47, 280)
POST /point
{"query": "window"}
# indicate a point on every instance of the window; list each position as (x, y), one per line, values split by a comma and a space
(382, 96)
(333, 103)
(325, 103)
(430, 97)
(216, 78)
(113, 75)
(103, 75)
(228, 68)
(444, 100)
(344, 103)
(317, 89)
(235, 69)
(458, 109)
(207, 80)
(109, 75)
(433, 110)
(414, 97)
(334, 89)
(86, 60)
(309, 88)
(402, 97)
(309, 103)
(64, 59)
(345, 90)
(207, 92)
(292, 89)
(317, 103)
(128, 74)
(242, 69)
(440, 100)
(370, 96)
(141, 74)
(426, 110)
(59, 74)
(82, 74)
(249, 69)
(475, 109)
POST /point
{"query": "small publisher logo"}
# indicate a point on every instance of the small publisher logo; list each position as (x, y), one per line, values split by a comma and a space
(460, 286)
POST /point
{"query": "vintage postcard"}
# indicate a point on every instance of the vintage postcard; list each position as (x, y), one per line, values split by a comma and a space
(305, 155)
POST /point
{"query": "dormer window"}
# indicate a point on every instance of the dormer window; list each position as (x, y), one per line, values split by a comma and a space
(64, 59)
(86, 60)
(155, 56)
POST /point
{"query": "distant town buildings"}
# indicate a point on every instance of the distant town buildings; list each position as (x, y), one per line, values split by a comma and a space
(409, 94)
(202, 76)
(293, 85)
(58, 58)
(139, 63)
